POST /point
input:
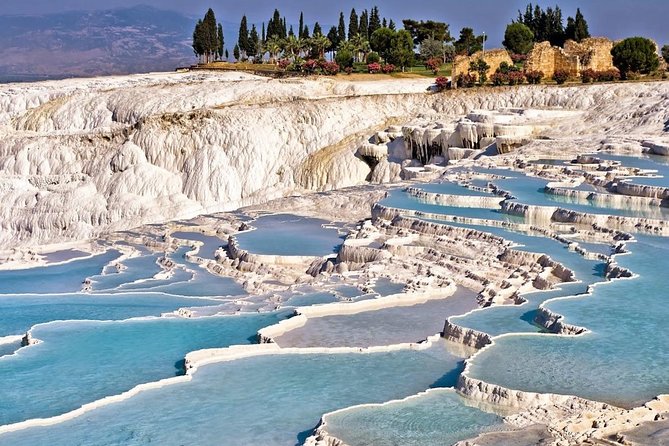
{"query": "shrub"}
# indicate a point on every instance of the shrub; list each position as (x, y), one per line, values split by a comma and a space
(665, 53)
(310, 66)
(481, 67)
(374, 68)
(442, 83)
(534, 77)
(515, 77)
(330, 68)
(373, 57)
(589, 75)
(284, 63)
(635, 54)
(388, 68)
(344, 58)
(608, 75)
(348, 70)
(560, 76)
(465, 80)
(297, 65)
(433, 64)
(499, 78)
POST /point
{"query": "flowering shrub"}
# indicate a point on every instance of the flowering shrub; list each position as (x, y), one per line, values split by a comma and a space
(442, 83)
(433, 64)
(518, 58)
(608, 75)
(330, 68)
(284, 63)
(499, 78)
(310, 66)
(516, 77)
(465, 80)
(534, 77)
(589, 75)
(374, 68)
(388, 68)
(560, 76)
(348, 70)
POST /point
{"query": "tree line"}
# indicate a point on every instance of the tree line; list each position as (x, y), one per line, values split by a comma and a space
(538, 25)
(208, 41)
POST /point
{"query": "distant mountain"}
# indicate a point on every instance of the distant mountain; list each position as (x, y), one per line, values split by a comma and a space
(91, 43)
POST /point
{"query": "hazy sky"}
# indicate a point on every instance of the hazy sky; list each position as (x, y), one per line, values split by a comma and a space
(611, 18)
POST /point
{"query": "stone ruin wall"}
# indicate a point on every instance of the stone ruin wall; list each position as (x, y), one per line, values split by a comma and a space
(492, 57)
(592, 53)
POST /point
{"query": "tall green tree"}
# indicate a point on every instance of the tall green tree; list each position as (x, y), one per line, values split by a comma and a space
(391, 25)
(401, 53)
(254, 42)
(665, 53)
(300, 28)
(544, 24)
(263, 36)
(468, 43)
(580, 27)
(243, 40)
(381, 41)
(317, 29)
(341, 29)
(208, 38)
(363, 26)
(275, 26)
(333, 37)
(429, 29)
(635, 55)
(374, 21)
(236, 52)
(518, 38)
(305, 32)
(353, 24)
(221, 41)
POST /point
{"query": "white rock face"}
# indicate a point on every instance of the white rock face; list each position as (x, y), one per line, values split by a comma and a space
(82, 157)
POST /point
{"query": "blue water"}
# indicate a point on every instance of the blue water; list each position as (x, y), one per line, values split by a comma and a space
(401, 200)
(76, 363)
(19, 313)
(623, 361)
(261, 401)
(449, 188)
(62, 278)
(210, 244)
(437, 418)
(290, 235)
(647, 162)
(137, 268)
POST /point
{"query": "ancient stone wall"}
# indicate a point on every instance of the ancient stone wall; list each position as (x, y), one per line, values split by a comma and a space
(592, 53)
(492, 57)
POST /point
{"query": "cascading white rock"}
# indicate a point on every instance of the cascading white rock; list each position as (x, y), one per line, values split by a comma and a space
(81, 157)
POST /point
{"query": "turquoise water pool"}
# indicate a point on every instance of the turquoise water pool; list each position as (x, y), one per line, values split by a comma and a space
(290, 235)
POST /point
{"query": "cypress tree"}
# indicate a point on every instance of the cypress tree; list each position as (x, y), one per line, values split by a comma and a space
(391, 25)
(300, 30)
(353, 24)
(236, 52)
(198, 45)
(333, 37)
(254, 42)
(385, 23)
(221, 41)
(290, 31)
(341, 30)
(363, 27)
(580, 27)
(243, 41)
(210, 35)
(264, 36)
(317, 29)
(374, 21)
(275, 26)
(305, 32)
(227, 55)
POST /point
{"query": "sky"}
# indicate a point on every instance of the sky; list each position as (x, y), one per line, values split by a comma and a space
(615, 19)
